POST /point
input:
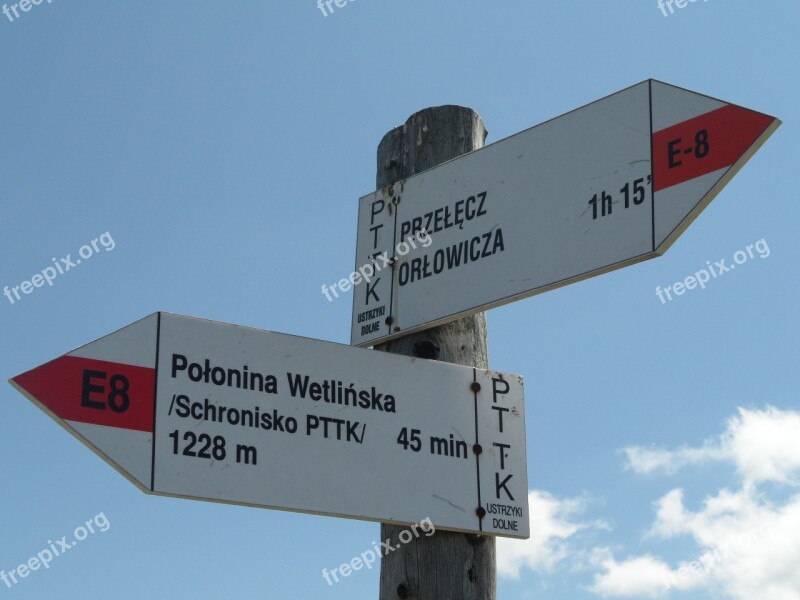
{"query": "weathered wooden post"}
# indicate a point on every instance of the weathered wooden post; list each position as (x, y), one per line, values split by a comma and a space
(445, 566)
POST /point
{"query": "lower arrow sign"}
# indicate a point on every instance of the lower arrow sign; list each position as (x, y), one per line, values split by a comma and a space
(196, 409)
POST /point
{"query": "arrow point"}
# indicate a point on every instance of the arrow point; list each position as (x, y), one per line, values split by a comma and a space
(76, 389)
(699, 144)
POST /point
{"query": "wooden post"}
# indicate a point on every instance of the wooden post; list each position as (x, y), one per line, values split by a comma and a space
(444, 566)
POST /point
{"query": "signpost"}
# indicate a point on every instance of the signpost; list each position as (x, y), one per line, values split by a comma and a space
(602, 187)
(197, 409)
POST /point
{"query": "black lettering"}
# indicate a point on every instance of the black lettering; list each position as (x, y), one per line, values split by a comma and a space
(179, 363)
(497, 383)
(376, 212)
(118, 399)
(89, 387)
(672, 152)
(459, 210)
(503, 454)
(472, 255)
(426, 272)
(466, 210)
(183, 410)
(372, 327)
(375, 236)
(416, 264)
(500, 410)
(438, 259)
(447, 222)
(498, 241)
(277, 421)
(371, 291)
(402, 277)
(312, 422)
(297, 385)
(376, 400)
(437, 219)
(429, 216)
(487, 237)
(702, 147)
(481, 211)
(501, 485)
(196, 414)
(454, 256)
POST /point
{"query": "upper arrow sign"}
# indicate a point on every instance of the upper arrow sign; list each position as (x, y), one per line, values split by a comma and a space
(597, 189)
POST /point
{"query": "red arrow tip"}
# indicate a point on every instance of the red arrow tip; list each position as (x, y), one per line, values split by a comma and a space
(704, 144)
(93, 391)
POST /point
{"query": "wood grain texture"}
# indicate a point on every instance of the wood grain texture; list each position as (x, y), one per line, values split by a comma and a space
(446, 565)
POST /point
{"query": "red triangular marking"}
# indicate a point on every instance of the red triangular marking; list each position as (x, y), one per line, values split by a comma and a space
(79, 389)
(704, 144)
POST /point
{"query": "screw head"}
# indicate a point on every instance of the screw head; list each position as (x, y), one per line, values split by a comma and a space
(477, 448)
(389, 320)
(475, 386)
(481, 512)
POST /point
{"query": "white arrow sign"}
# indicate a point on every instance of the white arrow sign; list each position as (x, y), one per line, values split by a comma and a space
(197, 409)
(597, 189)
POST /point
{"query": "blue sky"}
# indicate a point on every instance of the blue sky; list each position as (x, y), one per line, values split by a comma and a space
(224, 148)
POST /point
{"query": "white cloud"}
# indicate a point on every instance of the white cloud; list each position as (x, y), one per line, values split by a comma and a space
(748, 549)
(553, 523)
(764, 445)
(639, 577)
(648, 460)
(748, 545)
